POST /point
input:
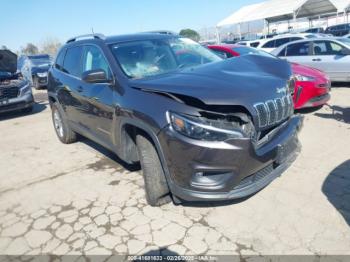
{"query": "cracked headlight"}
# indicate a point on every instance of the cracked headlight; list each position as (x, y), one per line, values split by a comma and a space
(43, 74)
(304, 78)
(200, 128)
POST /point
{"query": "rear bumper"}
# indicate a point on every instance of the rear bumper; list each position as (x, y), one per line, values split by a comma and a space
(18, 103)
(204, 171)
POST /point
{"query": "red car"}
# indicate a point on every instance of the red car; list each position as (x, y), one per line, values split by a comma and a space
(311, 87)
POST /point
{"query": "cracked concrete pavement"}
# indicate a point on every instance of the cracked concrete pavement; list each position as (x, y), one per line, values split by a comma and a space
(78, 199)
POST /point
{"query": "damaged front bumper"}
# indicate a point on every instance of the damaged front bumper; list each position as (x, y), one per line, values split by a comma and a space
(204, 171)
(18, 103)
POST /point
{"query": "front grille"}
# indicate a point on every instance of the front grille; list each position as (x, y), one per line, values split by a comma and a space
(255, 177)
(274, 111)
(9, 92)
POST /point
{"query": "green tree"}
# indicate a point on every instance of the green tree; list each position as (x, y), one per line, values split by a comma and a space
(190, 33)
(30, 49)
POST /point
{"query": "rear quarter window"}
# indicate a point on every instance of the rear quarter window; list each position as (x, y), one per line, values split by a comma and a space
(254, 44)
(59, 59)
(282, 52)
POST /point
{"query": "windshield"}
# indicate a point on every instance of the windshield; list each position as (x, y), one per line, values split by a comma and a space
(244, 50)
(40, 61)
(140, 59)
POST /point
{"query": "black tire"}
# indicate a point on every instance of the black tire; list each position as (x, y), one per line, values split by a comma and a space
(66, 135)
(157, 190)
(36, 83)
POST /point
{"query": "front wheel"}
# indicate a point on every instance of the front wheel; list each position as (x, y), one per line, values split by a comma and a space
(157, 191)
(64, 133)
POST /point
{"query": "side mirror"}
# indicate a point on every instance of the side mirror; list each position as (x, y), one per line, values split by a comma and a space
(95, 76)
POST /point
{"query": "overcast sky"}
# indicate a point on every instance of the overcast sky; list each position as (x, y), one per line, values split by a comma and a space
(35, 20)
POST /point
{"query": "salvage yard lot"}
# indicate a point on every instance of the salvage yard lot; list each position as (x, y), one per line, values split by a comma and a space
(78, 198)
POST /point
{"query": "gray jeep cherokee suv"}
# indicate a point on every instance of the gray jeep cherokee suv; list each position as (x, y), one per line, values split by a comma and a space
(15, 91)
(202, 128)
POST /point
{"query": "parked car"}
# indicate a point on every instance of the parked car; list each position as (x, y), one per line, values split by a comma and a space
(15, 91)
(203, 128)
(330, 55)
(268, 36)
(252, 43)
(315, 30)
(338, 30)
(35, 68)
(311, 86)
(270, 44)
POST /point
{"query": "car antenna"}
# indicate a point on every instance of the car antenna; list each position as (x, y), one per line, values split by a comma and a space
(92, 30)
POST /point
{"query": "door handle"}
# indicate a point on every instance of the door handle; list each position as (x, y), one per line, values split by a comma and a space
(317, 59)
(80, 89)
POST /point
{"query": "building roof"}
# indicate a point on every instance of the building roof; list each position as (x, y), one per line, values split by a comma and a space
(341, 5)
(280, 10)
(242, 15)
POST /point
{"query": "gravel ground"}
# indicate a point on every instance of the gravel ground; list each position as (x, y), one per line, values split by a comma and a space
(79, 199)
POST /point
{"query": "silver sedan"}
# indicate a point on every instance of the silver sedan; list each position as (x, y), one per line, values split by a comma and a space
(331, 55)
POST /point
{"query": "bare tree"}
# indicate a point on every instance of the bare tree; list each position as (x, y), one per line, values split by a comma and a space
(30, 49)
(50, 46)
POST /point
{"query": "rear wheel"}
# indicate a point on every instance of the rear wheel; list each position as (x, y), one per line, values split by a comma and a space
(64, 133)
(157, 191)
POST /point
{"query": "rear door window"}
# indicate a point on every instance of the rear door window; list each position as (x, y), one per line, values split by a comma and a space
(320, 48)
(72, 60)
(298, 49)
(282, 41)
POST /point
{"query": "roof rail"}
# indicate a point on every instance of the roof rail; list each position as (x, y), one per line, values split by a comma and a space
(95, 36)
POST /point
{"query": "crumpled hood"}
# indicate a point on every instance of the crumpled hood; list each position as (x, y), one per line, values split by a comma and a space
(8, 61)
(244, 81)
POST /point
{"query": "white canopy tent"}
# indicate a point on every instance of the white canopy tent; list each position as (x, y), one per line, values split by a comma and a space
(284, 10)
(241, 16)
(342, 5)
